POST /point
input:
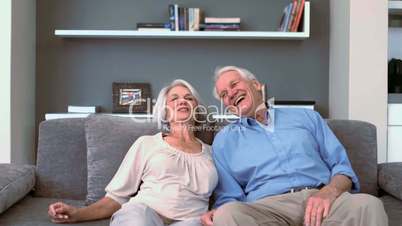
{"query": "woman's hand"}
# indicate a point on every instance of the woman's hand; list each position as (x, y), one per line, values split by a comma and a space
(62, 213)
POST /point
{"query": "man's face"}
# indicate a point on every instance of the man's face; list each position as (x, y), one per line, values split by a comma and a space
(240, 95)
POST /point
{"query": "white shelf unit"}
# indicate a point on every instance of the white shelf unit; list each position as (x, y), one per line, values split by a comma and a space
(193, 34)
(395, 7)
(394, 152)
(394, 132)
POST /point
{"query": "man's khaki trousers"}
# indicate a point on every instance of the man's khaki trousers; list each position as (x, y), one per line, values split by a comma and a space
(288, 209)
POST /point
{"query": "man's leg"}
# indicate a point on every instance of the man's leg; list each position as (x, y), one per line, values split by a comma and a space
(280, 210)
(137, 213)
(356, 210)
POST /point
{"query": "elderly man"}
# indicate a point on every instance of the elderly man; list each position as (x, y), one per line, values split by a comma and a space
(282, 166)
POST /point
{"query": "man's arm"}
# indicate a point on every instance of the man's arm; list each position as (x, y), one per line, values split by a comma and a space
(228, 188)
(343, 178)
(331, 150)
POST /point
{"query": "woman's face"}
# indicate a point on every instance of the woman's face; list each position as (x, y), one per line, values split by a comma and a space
(180, 105)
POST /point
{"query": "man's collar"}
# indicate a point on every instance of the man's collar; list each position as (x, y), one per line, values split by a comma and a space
(248, 121)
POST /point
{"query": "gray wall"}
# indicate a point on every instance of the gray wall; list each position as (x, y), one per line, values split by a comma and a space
(23, 60)
(81, 71)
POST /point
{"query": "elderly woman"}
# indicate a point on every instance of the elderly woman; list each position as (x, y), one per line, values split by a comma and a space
(171, 173)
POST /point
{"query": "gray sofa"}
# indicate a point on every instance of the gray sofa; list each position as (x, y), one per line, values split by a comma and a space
(77, 157)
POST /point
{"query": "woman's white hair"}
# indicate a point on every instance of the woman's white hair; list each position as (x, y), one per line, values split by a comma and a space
(159, 111)
(244, 73)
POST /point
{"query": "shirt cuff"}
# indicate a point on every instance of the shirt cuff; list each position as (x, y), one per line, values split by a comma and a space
(346, 171)
(118, 199)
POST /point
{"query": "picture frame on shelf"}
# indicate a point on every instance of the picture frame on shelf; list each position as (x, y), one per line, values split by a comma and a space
(131, 97)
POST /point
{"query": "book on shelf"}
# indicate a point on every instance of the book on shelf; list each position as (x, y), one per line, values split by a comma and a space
(176, 17)
(291, 16)
(282, 21)
(222, 20)
(220, 27)
(82, 109)
(299, 12)
(184, 19)
(172, 17)
(153, 26)
(221, 24)
(285, 18)
(294, 104)
(153, 29)
(197, 19)
(50, 116)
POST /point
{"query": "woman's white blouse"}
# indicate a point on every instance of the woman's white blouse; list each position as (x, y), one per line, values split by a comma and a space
(176, 184)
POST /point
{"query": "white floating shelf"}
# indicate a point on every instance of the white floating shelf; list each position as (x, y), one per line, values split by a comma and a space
(395, 7)
(192, 34)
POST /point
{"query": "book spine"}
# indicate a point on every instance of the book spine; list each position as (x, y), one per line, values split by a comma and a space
(282, 20)
(153, 25)
(298, 16)
(296, 13)
(197, 19)
(222, 20)
(185, 17)
(172, 18)
(153, 29)
(292, 15)
(176, 17)
(191, 19)
(82, 109)
(288, 11)
(181, 19)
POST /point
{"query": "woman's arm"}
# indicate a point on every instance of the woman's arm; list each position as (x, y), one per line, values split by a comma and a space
(62, 213)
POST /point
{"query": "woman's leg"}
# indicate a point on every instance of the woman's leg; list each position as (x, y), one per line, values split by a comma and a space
(137, 213)
(189, 222)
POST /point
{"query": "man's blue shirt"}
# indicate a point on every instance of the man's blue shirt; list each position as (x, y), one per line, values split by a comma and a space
(296, 149)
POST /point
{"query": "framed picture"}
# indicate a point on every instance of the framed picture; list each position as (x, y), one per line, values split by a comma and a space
(131, 97)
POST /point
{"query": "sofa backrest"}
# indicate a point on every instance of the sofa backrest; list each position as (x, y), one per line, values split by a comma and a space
(77, 157)
(62, 151)
(360, 141)
(61, 167)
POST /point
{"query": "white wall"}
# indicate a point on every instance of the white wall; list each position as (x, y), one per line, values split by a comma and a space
(367, 67)
(23, 62)
(5, 78)
(339, 59)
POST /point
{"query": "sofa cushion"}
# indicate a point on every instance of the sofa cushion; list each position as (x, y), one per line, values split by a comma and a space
(108, 140)
(390, 178)
(393, 207)
(61, 167)
(15, 182)
(32, 211)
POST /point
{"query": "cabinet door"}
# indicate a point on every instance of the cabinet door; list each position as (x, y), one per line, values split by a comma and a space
(394, 143)
(395, 115)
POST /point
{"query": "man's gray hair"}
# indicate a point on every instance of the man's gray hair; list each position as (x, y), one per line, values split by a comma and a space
(244, 73)
(159, 111)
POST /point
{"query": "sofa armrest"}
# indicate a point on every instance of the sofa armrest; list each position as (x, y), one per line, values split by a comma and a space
(390, 178)
(15, 182)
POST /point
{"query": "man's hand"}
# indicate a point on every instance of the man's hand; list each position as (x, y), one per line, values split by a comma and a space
(207, 218)
(318, 206)
(62, 213)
